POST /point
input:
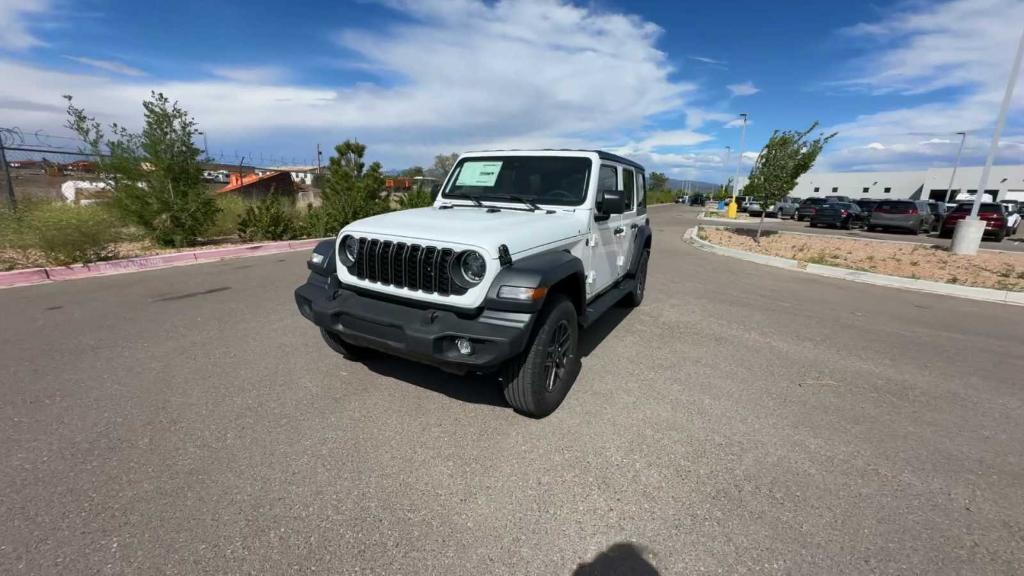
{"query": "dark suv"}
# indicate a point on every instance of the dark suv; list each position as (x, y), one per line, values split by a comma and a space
(911, 215)
(808, 207)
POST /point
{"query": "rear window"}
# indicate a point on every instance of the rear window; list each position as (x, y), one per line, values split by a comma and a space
(814, 201)
(897, 207)
(866, 204)
(985, 207)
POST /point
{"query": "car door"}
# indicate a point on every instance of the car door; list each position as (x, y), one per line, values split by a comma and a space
(626, 231)
(603, 242)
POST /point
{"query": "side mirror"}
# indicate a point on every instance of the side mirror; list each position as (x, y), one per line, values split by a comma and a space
(610, 202)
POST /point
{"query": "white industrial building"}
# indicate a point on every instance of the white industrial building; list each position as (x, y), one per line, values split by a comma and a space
(1004, 183)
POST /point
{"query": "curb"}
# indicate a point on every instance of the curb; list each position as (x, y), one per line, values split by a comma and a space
(75, 271)
(969, 292)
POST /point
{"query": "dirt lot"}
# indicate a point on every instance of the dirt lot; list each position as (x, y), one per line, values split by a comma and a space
(989, 269)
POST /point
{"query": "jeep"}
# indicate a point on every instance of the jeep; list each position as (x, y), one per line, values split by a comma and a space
(519, 252)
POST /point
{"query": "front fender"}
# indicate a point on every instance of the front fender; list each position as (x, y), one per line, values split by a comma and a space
(537, 271)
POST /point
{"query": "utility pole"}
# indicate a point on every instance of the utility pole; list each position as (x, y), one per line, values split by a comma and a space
(739, 161)
(7, 175)
(319, 155)
(728, 158)
(956, 164)
(968, 232)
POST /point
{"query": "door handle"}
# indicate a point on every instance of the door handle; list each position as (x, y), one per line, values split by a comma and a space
(619, 231)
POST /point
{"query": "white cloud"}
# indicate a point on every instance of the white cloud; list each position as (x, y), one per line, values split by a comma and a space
(743, 89)
(108, 65)
(14, 28)
(250, 74)
(957, 56)
(530, 73)
(711, 61)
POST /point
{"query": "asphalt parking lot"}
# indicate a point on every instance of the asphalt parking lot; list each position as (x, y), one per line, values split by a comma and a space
(1013, 243)
(744, 419)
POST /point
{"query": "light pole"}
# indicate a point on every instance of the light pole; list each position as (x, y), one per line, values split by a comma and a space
(739, 161)
(968, 232)
(949, 190)
(728, 158)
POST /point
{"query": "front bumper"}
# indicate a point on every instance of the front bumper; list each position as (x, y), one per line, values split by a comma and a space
(422, 334)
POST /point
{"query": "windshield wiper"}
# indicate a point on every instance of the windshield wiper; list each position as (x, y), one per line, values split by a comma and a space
(465, 196)
(529, 203)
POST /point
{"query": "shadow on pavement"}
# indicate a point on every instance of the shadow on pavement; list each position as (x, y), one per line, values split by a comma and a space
(621, 559)
(472, 388)
(481, 388)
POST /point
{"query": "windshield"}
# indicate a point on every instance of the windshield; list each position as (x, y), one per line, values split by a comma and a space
(560, 181)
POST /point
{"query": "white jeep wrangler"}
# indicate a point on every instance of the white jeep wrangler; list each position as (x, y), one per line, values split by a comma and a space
(518, 252)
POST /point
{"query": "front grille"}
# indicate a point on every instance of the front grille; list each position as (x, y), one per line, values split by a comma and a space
(410, 266)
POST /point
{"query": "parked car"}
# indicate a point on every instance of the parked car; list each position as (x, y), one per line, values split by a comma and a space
(1013, 218)
(681, 200)
(786, 207)
(808, 207)
(910, 215)
(994, 215)
(846, 215)
(753, 208)
(741, 203)
(938, 210)
(838, 198)
(698, 199)
(866, 205)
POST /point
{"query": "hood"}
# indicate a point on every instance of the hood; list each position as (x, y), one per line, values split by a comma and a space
(518, 229)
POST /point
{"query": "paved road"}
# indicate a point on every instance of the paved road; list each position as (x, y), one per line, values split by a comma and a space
(744, 419)
(1012, 244)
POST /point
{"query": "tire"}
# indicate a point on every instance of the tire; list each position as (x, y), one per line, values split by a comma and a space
(813, 225)
(636, 297)
(917, 230)
(848, 225)
(530, 387)
(999, 236)
(944, 234)
(350, 351)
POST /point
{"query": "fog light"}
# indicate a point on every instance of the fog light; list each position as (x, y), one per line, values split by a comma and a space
(317, 259)
(464, 345)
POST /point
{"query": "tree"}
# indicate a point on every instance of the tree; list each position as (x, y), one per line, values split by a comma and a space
(351, 190)
(787, 156)
(443, 164)
(155, 175)
(658, 181)
(413, 172)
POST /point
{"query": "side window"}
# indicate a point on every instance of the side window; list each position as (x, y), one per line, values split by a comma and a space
(641, 197)
(629, 187)
(608, 179)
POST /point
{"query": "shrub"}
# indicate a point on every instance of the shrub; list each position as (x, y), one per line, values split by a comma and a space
(660, 196)
(268, 219)
(415, 199)
(64, 233)
(232, 208)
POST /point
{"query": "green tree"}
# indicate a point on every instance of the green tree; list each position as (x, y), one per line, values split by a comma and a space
(351, 189)
(787, 156)
(443, 164)
(268, 219)
(658, 181)
(412, 172)
(155, 175)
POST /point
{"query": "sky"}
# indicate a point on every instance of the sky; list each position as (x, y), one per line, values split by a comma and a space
(660, 82)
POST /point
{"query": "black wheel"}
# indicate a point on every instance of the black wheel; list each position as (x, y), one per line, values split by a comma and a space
(334, 342)
(813, 225)
(917, 230)
(944, 234)
(636, 297)
(848, 225)
(999, 236)
(536, 382)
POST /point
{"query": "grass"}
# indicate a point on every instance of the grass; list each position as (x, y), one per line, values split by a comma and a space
(60, 233)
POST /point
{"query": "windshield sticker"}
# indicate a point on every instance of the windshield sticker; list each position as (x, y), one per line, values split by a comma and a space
(478, 174)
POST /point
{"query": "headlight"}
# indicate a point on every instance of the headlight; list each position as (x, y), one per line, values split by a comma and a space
(471, 269)
(349, 250)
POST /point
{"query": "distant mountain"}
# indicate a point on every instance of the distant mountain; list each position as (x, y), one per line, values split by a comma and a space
(695, 186)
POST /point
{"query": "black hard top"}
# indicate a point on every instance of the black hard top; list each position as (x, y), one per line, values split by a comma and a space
(600, 154)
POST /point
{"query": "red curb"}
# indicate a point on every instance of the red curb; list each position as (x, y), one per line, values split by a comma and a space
(74, 271)
(23, 277)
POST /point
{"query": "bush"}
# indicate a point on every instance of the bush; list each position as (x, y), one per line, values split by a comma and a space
(415, 199)
(62, 233)
(232, 208)
(660, 196)
(268, 219)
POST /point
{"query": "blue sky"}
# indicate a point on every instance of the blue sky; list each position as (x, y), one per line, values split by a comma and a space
(662, 82)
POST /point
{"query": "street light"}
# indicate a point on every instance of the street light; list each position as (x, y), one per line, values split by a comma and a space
(968, 232)
(949, 190)
(739, 160)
